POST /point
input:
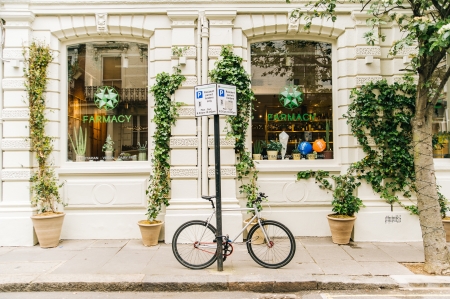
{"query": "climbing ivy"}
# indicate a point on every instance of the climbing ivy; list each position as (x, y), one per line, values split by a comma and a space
(384, 111)
(229, 70)
(44, 187)
(165, 116)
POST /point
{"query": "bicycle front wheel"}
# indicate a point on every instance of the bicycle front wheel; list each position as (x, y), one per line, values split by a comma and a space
(193, 244)
(275, 253)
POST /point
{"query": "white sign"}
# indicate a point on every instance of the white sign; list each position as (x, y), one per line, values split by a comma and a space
(212, 99)
(226, 99)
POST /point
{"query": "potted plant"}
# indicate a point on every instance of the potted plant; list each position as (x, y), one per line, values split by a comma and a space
(79, 147)
(445, 219)
(344, 205)
(108, 148)
(166, 112)
(328, 153)
(142, 151)
(258, 237)
(258, 146)
(44, 183)
(272, 149)
(296, 153)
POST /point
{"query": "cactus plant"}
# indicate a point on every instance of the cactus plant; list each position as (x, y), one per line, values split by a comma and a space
(80, 142)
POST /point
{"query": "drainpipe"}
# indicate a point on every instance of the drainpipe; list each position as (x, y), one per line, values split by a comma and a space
(199, 119)
(2, 42)
(205, 122)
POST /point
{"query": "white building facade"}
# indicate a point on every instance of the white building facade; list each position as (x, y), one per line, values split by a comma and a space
(123, 45)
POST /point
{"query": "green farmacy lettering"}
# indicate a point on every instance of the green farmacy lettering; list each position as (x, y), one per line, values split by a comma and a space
(106, 118)
(289, 117)
(283, 116)
(269, 117)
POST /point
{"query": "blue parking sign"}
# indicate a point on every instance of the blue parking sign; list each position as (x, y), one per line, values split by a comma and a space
(199, 94)
(221, 92)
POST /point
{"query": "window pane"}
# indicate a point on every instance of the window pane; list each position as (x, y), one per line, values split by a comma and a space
(107, 99)
(293, 87)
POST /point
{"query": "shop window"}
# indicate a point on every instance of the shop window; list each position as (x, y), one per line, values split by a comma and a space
(292, 82)
(107, 101)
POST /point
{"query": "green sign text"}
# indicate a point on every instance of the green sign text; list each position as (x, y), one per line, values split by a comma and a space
(106, 118)
(291, 117)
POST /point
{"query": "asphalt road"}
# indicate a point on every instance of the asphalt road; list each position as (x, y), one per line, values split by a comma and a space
(358, 294)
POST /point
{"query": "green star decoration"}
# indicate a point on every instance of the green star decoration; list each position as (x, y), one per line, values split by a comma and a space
(106, 97)
(291, 97)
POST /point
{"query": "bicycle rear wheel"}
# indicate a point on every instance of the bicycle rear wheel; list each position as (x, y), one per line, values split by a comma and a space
(193, 244)
(276, 253)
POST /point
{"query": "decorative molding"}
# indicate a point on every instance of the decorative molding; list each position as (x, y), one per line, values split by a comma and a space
(401, 79)
(184, 19)
(191, 52)
(186, 111)
(178, 172)
(214, 52)
(224, 142)
(222, 18)
(360, 81)
(225, 172)
(362, 52)
(12, 53)
(221, 23)
(14, 83)
(183, 142)
(16, 144)
(15, 114)
(190, 81)
(406, 51)
(101, 20)
(293, 23)
(21, 175)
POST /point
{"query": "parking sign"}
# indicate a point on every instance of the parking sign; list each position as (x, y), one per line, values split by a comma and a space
(212, 99)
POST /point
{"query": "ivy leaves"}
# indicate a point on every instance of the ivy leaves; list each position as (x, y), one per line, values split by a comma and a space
(229, 70)
(164, 118)
(45, 187)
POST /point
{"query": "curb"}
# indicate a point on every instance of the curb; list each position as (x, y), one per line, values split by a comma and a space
(221, 284)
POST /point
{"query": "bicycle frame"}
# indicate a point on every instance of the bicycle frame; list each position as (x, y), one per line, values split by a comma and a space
(256, 216)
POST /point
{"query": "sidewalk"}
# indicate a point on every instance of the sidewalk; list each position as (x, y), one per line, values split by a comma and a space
(126, 265)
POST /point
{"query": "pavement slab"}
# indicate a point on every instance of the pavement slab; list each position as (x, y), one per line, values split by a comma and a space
(127, 265)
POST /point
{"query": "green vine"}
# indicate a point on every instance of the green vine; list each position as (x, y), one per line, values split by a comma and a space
(44, 187)
(229, 70)
(165, 116)
(344, 203)
(384, 112)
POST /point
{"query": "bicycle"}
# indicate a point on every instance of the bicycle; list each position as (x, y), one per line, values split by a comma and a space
(269, 243)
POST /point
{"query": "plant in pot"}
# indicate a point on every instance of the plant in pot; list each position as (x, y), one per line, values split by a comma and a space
(159, 182)
(79, 147)
(258, 147)
(296, 153)
(328, 153)
(443, 203)
(344, 205)
(258, 236)
(273, 147)
(142, 151)
(44, 183)
(108, 148)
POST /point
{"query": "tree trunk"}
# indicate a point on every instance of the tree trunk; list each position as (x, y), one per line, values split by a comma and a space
(437, 256)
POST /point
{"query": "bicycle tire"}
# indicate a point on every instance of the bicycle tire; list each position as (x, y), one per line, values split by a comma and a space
(187, 236)
(283, 245)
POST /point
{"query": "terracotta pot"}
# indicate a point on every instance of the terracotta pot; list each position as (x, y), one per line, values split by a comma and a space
(256, 156)
(438, 153)
(446, 223)
(150, 232)
(48, 228)
(341, 228)
(258, 236)
(296, 156)
(272, 155)
(328, 154)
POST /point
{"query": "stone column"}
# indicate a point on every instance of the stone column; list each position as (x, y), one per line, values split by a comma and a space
(16, 228)
(221, 32)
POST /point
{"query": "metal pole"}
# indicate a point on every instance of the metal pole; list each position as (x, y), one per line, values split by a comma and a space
(218, 193)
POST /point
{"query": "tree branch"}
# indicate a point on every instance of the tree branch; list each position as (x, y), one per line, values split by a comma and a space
(441, 87)
(438, 6)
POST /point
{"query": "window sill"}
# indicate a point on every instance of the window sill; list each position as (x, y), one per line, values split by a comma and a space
(297, 165)
(135, 167)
